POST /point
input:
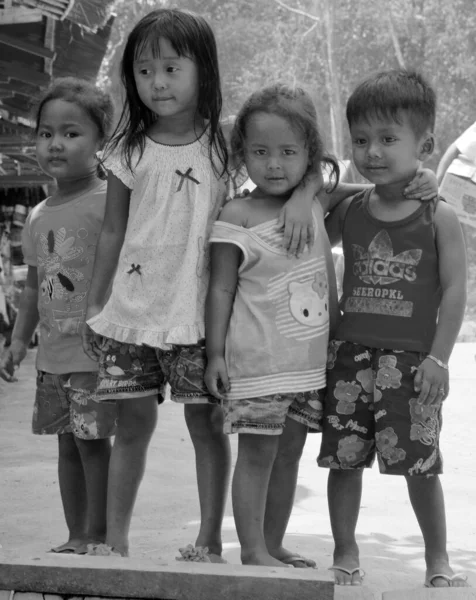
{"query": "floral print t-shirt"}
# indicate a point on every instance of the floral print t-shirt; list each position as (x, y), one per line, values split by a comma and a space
(60, 241)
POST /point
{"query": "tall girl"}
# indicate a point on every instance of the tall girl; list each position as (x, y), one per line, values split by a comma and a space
(268, 318)
(59, 243)
(167, 182)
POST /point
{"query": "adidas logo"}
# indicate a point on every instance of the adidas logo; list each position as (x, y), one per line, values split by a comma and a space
(379, 266)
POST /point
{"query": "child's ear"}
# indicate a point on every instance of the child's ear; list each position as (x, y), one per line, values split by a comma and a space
(427, 146)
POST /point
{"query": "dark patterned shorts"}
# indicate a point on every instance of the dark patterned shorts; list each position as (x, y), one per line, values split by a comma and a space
(371, 409)
(67, 404)
(266, 415)
(130, 371)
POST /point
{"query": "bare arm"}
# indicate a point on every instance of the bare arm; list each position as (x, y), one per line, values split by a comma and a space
(110, 243)
(329, 200)
(25, 325)
(432, 380)
(448, 157)
(335, 222)
(225, 262)
(453, 271)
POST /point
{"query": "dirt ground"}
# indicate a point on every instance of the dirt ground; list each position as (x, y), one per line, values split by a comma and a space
(167, 514)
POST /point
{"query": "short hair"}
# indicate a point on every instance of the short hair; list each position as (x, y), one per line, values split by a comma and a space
(295, 106)
(388, 93)
(96, 103)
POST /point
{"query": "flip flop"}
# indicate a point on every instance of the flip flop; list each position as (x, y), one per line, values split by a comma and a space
(70, 548)
(450, 579)
(349, 572)
(297, 558)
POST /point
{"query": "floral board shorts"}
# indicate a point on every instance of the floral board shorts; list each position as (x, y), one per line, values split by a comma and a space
(129, 371)
(66, 404)
(371, 409)
(266, 415)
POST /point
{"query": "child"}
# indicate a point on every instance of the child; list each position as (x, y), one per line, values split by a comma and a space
(167, 183)
(403, 301)
(267, 318)
(59, 243)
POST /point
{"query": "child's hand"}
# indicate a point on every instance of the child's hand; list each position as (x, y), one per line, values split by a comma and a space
(11, 359)
(432, 382)
(216, 377)
(424, 186)
(91, 342)
(296, 220)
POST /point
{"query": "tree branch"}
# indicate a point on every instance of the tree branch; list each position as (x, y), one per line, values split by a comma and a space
(297, 11)
(395, 42)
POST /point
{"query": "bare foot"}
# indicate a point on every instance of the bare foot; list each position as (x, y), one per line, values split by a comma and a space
(261, 559)
(72, 546)
(346, 567)
(440, 575)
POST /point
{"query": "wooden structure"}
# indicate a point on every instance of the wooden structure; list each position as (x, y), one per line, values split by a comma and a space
(40, 40)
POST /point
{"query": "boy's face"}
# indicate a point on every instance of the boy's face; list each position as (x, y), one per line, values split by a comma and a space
(386, 152)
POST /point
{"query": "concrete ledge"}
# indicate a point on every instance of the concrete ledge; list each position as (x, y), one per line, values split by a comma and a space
(342, 592)
(432, 594)
(117, 577)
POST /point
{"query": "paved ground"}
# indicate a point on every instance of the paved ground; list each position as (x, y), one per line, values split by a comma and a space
(166, 515)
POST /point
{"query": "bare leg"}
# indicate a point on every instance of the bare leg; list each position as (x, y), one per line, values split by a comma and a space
(95, 456)
(426, 496)
(344, 492)
(213, 463)
(73, 489)
(137, 418)
(282, 488)
(256, 455)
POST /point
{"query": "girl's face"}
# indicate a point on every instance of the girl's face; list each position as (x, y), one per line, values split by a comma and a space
(66, 141)
(276, 156)
(168, 83)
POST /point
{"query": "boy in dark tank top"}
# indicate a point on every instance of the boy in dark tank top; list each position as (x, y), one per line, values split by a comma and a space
(403, 301)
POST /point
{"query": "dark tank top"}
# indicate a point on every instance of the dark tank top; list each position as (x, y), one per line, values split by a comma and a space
(391, 289)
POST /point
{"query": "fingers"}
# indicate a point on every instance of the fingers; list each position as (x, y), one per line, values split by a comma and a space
(418, 380)
(302, 242)
(424, 391)
(7, 370)
(91, 346)
(433, 393)
(310, 237)
(5, 375)
(289, 242)
(213, 383)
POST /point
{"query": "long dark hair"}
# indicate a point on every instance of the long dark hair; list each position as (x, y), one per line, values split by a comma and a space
(296, 106)
(190, 35)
